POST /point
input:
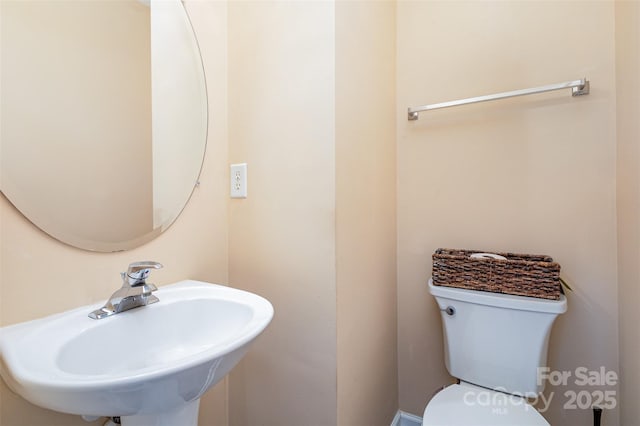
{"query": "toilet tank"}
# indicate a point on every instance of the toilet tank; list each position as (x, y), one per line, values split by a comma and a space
(496, 341)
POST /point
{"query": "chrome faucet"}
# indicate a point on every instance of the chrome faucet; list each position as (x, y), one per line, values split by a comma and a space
(135, 291)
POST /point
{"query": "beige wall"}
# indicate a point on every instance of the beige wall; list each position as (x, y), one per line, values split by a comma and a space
(628, 175)
(365, 213)
(40, 276)
(282, 237)
(316, 235)
(534, 174)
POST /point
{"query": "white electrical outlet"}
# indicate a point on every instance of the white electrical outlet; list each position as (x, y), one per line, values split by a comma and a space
(239, 180)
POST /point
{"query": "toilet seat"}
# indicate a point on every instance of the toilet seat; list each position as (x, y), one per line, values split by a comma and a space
(465, 404)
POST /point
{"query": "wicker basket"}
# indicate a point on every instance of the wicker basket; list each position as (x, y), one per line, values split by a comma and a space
(520, 274)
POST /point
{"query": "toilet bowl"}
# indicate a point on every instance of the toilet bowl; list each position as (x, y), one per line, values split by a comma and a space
(494, 344)
(465, 404)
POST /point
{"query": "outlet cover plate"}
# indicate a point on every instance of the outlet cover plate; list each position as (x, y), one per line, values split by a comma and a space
(238, 178)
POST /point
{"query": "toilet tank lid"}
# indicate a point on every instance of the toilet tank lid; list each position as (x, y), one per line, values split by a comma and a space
(500, 300)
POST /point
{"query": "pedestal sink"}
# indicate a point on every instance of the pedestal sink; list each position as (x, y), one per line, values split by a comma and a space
(149, 365)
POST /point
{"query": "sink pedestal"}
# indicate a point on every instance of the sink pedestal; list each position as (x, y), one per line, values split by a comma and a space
(186, 415)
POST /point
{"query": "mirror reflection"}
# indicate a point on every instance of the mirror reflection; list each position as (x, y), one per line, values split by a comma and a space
(103, 117)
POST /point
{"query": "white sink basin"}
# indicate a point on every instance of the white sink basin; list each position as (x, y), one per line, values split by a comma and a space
(149, 365)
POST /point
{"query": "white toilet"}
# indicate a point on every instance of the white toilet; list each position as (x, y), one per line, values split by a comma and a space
(494, 344)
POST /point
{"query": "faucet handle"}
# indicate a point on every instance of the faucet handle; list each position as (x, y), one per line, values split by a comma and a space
(138, 272)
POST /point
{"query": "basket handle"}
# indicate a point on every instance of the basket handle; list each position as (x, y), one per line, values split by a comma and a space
(487, 256)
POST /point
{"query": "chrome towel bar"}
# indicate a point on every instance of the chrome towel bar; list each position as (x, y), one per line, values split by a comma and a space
(578, 88)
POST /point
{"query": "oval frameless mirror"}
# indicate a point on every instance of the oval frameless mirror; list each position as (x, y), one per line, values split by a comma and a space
(103, 117)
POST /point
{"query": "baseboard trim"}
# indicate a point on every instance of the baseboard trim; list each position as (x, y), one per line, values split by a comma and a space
(405, 419)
